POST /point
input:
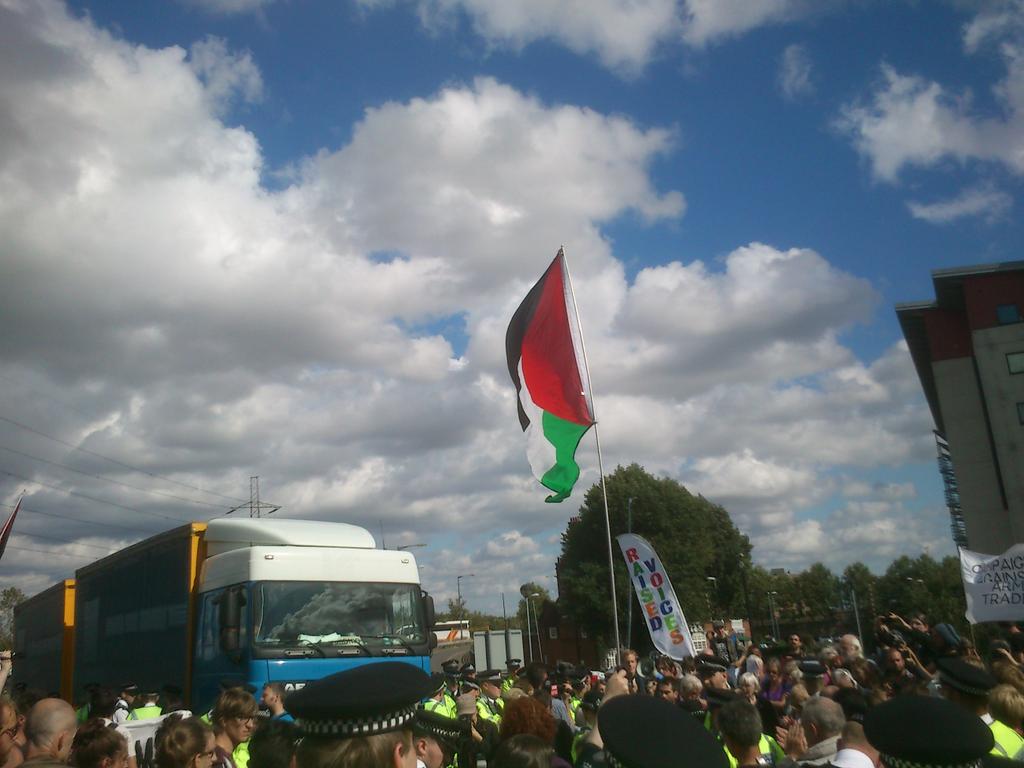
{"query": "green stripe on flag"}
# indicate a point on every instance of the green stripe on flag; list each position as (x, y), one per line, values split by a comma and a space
(565, 436)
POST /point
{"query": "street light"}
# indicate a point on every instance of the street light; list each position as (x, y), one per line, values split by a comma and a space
(536, 623)
(458, 587)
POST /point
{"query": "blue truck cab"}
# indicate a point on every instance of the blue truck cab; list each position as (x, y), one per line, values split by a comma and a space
(229, 601)
(296, 600)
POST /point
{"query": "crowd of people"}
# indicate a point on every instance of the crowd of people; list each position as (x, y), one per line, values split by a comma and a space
(922, 697)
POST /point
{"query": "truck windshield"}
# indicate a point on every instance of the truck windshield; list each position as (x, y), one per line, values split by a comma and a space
(289, 613)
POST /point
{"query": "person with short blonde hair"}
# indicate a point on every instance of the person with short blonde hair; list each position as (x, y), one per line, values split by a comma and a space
(1006, 704)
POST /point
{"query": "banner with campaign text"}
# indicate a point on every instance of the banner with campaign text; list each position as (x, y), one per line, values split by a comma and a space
(664, 616)
(993, 585)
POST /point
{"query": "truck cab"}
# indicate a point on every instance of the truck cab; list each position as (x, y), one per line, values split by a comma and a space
(296, 600)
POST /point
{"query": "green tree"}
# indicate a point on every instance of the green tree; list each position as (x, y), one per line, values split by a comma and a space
(695, 539)
(923, 584)
(9, 598)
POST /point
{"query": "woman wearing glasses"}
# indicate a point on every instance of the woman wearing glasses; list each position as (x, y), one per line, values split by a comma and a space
(234, 717)
(185, 743)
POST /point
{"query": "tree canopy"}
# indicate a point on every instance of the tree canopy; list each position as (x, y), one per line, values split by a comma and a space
(695, 539)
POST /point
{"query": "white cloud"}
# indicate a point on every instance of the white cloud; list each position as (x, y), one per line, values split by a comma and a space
(911, 121)
(229, 7)
(795, 72)
(985, 201)
(708, 21)
(624, 34)
(179, 316)
(225, 73)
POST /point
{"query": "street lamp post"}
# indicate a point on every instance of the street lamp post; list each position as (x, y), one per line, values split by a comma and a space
(856, 611)
(458, 587)
(536, 623)
(529, 630)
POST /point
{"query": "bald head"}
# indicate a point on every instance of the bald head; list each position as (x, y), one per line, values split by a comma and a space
(50, 728)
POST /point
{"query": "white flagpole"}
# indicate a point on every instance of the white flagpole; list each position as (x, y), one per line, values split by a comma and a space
(600, 461)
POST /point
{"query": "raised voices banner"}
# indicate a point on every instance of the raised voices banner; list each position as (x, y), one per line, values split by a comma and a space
(665, 621)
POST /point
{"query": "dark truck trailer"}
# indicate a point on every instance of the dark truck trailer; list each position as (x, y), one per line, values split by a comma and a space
(134, 619)
(44, 635)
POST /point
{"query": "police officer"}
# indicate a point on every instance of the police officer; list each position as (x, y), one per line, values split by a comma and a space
(149, 709)
(489, 705)
(924, 731)
(439, 702)
(647, 732)
(123, 708)
(360, 718)
(968, 686)
(452, 690)
(436, 739)
(512, 667)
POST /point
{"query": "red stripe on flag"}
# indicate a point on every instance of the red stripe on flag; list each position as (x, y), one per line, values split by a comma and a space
(549, 359)
(5, 532)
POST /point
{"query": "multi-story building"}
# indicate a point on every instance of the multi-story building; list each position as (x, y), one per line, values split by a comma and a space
(968, 348)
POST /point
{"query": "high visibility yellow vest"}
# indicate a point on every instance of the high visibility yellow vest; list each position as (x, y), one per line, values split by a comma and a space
(508, 682)
(240, 755)
(145, 713)
(441, 707)
(487, 712)
(82, 713)
(767, 746)
(1008, 742)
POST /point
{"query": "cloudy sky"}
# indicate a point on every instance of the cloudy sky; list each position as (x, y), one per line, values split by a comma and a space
(284, 238)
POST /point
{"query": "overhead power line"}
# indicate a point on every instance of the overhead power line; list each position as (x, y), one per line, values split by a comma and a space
(110, 479)
(34, 431)
(52, 552)
(91, 498)
(32, 510)
(65, 541)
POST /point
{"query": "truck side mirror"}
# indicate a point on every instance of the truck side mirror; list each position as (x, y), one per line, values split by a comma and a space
(230, 603)
(428, 611)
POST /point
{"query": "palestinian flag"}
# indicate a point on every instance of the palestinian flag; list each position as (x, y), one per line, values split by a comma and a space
(5, 532)
(544, 348)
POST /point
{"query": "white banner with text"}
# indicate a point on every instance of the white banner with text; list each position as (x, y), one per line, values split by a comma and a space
(994, 585)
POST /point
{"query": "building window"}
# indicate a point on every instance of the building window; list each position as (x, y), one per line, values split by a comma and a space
(1020, 412)
(1015, 362)
(1007, 313)
(553, 631)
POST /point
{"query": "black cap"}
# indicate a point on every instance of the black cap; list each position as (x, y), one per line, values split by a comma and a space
(708, 665)
(450, 667)
(445, 730)
(467, 669)
(682, 741)
(812, 668)
(513, 663)
(718, 697)
(964, 677)
(371, 699)
(436, 682)
(470, 685)
(172, 690)
(924, 731)
(490, 676)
